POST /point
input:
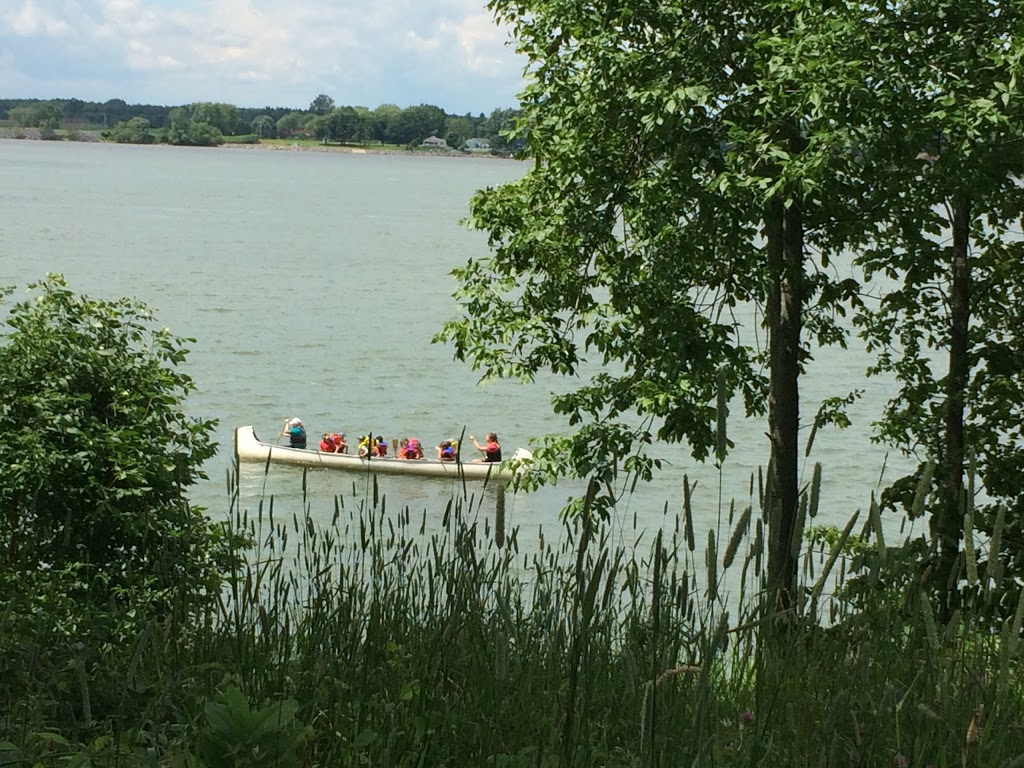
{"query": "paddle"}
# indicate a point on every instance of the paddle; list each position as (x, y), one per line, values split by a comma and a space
(280, 433)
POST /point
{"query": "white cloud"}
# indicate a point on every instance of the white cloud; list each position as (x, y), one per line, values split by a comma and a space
(31, 20)
(256, 52)
(484, 44)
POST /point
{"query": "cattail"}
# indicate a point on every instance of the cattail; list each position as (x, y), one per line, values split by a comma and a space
(737, 536)
(760, 487)
(759, 546)
(722, 412)
(974, 728)
(798, 527)
(815, 490)
(876, 522)
(970, 556)
(711, 560)
(499, 518)
(688, 515)
(924, 485)
(810, 438)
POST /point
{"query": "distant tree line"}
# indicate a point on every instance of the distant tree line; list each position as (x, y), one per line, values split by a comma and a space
(208, 123)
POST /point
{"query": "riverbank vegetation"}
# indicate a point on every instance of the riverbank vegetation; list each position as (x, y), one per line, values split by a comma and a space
(441, 638)
(214, 123)
(136, 632)
(689, 166)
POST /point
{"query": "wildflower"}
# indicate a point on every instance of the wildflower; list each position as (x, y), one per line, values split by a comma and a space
(746, 717)
(900, 760)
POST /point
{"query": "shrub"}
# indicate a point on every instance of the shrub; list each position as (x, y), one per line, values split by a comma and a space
(96, 532)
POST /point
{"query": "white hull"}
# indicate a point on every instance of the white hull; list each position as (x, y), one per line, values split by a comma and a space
(249, 448)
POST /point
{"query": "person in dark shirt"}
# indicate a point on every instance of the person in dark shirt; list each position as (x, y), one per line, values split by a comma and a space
(296, 433)
(491, 450)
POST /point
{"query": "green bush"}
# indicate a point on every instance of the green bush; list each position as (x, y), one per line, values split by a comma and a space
(96, 532)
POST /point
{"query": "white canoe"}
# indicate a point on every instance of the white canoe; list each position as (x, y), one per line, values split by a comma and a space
(250, 448)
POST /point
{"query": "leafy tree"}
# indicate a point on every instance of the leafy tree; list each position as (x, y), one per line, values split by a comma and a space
(45, 115)
(98, 454)
(498, 126)
(263, 125)
(414, 124)
(340, 124)
(951, 205)
(223, 117)
(183, 129)
(320, 125)
(383, 118)
(292, 122)
(457, 130)
(687, 161)
(115, 110)
(20, 117)
(73, 110)
(364, 125)
(134, 131)
(344, 123)
(321, 105)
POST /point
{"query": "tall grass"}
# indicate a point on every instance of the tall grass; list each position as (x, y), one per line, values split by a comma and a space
(465, 647)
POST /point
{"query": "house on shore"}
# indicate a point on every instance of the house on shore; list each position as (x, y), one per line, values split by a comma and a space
(432, 142)
(477, 145)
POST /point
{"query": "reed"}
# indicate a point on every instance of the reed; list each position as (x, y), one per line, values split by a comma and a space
(405, 643)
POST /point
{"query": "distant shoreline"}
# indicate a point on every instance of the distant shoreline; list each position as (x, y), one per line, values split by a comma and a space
(92, 137)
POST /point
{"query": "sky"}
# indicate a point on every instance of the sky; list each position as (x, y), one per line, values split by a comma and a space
(254, 53)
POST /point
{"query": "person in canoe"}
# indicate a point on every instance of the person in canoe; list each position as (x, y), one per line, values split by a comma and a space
(296, 433)
(366, 446)
(446, 451)
(414, 450)
(491, 449)
(333, 442)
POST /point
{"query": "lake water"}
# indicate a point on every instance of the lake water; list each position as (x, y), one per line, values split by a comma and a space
(313, 284)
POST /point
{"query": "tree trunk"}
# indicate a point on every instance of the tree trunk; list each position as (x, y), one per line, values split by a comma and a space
(948, 522)
(784, 229)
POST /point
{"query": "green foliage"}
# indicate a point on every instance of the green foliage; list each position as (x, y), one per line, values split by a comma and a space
(414, 124)
(97, 532)
(237, 736)
(264, 125)
(293, 121)
(183, 129)
(668, 143)
(368, 641)
(45, 115)
(224, 117)
(945, 252)
(321, 105)
(134, 131)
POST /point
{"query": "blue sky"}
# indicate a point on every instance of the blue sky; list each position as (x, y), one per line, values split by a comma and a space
(254, 53)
